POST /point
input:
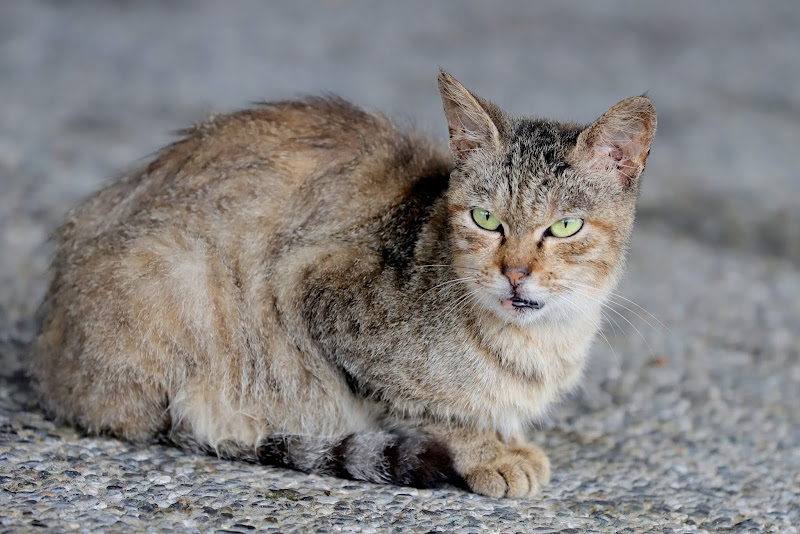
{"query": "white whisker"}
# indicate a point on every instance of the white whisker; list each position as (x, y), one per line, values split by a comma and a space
(613, 295)
(447, 283)
(454, 306)
(586, 295)
(571, 303)
(448, 265)
(614, 324)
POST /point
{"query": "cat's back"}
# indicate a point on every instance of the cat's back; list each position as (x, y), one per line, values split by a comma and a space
(174, 270)
(313, 162)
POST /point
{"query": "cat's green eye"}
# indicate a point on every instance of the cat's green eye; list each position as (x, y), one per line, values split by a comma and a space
(566, 227)
(485, 220)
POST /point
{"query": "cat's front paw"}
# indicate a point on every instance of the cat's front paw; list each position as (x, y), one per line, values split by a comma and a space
(518, 472)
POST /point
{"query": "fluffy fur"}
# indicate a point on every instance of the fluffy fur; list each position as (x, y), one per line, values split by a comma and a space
(303, 284)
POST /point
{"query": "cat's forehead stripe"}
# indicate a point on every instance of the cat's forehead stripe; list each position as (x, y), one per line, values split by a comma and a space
(541, 141)
(534, 174)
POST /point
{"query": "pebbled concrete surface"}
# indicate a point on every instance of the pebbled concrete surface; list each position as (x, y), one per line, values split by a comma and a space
(689, 426)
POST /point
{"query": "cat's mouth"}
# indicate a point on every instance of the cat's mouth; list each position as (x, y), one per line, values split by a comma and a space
(517, 303)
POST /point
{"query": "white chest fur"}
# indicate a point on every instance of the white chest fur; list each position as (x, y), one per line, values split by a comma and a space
(522, 371)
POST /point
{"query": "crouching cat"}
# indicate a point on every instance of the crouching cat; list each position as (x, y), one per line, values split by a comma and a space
(304, 284)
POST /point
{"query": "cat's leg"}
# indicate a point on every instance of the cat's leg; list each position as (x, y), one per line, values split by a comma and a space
(93, 373)
(128, 329)
(187, 312)
(493, 466)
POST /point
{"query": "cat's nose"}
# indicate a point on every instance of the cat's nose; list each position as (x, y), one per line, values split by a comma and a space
(515, 274)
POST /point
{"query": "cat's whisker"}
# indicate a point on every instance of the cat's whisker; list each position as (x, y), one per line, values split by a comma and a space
(463, 302)
(614, 324)
(454, 306)
(600, 333)
(447, 283)
(599, 301)
(448, 265)
(613, 297)
(475, 301)
(463, 298)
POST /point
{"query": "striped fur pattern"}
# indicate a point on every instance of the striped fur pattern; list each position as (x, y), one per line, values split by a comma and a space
(303, 284)
(381, 457)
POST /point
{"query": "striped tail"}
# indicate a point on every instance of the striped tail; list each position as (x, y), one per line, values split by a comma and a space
(383, 457)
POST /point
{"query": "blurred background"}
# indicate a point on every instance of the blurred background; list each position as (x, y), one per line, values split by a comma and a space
(692, 412)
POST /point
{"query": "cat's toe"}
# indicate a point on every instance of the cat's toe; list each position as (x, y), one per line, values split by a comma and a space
(487, 481)
(537, 461)
(519, 473)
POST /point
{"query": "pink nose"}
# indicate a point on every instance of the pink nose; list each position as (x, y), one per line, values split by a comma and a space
(514, 275)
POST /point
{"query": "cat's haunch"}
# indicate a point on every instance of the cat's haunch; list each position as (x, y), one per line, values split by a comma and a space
(306, 285)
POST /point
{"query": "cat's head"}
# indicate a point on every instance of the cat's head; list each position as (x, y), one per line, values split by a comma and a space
(540, 212)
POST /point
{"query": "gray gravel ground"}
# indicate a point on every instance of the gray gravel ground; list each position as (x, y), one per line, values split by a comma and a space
(689, 426)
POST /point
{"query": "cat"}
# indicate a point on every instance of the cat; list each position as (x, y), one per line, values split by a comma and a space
(305, 284)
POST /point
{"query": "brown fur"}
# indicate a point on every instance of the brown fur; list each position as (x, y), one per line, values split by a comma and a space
(305, 282)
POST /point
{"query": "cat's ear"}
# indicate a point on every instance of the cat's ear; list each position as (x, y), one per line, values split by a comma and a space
(618, 143)
(468, 119)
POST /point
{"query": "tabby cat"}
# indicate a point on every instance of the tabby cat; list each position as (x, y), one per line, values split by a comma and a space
(304, 284)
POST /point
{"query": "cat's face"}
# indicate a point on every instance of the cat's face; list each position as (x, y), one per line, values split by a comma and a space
(541, 212)
(534, 240)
